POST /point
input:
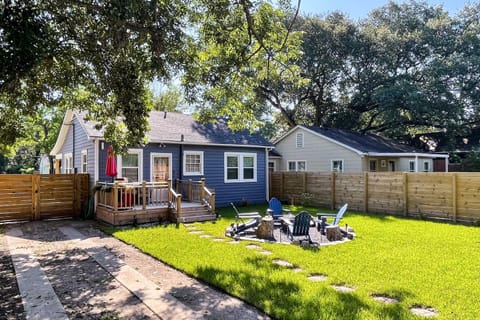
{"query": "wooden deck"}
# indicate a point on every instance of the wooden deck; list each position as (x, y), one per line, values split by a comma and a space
(153, 202)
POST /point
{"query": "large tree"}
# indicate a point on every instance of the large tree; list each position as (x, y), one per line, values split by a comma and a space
(101, 56)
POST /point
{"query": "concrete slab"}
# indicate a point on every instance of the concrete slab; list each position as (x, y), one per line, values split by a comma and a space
(160, 302)
(39, 299)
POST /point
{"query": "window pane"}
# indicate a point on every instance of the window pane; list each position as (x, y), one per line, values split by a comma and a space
(301, 165)
(131, 174)
(232, 174)
(232, 162)
(192, 163)
(248, 162)
(248, 173)
(130, 160)
(292, 166)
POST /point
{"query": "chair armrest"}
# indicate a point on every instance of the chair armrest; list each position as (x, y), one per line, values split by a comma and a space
(250, 215)
(326, 214)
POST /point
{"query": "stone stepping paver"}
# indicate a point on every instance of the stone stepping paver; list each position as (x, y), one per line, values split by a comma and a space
(205, 236)
(283, 263)
(427, 312)
(297, 269)
(253, 246)
(195, 232)
(342, 288)
(384, 299)
(265, 252)
(218, 239)
(233, 242)
(317, 277)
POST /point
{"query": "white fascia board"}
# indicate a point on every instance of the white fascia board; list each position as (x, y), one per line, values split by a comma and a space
(62, 135)
(287, 134)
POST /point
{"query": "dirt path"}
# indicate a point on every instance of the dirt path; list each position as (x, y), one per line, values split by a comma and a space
(96, 276)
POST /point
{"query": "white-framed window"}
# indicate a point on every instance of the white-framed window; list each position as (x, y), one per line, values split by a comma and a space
(337, 165)
(193, 163)
(411, 165)
(373, 165)
(240, 167)
(297, 165)
(271, 166)
(426, 166)
(299, 140)
(84, 161)
(68, 163)
(130, 165)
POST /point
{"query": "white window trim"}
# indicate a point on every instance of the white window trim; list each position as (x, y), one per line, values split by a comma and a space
(303, 140)
(140, 163)
(68, 160)
(185, 153)
(296, 165)
(340, 160)
(410, 166)
(82, 154)
(164, 155)
(240, 156)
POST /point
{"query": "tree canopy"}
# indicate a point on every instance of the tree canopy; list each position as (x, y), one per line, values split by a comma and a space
(101, 56)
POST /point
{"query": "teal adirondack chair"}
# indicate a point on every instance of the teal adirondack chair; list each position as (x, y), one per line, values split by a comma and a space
(300, 226)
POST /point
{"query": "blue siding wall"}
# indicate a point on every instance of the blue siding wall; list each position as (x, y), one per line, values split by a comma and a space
(251, 192)
(78, 139)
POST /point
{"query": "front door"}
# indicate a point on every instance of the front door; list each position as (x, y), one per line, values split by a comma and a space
(391, 165)
(161, 169)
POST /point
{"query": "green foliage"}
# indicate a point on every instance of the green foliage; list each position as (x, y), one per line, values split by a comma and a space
(402, 258)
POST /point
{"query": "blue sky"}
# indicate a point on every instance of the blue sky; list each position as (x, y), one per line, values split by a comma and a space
(358, 9)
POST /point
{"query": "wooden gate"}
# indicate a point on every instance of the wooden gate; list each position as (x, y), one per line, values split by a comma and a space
(26, 197)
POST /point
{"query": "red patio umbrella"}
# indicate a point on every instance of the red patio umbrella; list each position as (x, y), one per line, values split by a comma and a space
(111, 169)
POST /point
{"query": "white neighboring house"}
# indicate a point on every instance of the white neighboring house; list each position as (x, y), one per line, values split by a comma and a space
(306, 148)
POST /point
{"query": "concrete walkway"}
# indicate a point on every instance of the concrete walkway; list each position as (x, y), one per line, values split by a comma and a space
(50, 242)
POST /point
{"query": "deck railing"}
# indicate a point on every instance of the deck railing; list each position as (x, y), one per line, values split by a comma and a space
(130, 195)
(145, 195)
(196, 191)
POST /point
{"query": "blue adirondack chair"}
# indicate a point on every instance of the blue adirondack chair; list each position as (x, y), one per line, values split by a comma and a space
(322, 223)
(275, 209)
(300, 226)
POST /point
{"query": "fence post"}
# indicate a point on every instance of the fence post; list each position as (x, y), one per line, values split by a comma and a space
(365, 192)
(405, 194)
(36, 196)
(76, 195)
(304, 181)
(454, 197)
(169, 192)
(333, 191)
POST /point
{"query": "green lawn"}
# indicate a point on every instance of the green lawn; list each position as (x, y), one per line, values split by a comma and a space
(418, 262)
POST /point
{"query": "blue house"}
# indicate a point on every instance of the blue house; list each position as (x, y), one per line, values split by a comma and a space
(182, 157)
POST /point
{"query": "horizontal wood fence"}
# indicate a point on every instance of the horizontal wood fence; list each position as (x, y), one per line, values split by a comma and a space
(42, 196)
(450, 196)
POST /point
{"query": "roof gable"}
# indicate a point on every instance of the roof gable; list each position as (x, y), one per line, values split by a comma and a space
(361, 143)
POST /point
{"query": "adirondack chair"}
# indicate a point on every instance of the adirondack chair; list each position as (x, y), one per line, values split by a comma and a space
(275, 209)
(245, 215)
(300, 226)
(322, 223)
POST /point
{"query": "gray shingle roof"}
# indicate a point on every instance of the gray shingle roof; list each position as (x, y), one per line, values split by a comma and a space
(170, 126)
(363, 142)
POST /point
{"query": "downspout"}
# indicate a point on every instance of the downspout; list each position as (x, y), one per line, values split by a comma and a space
(416, 163)
(180, 160)
(73, 148)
